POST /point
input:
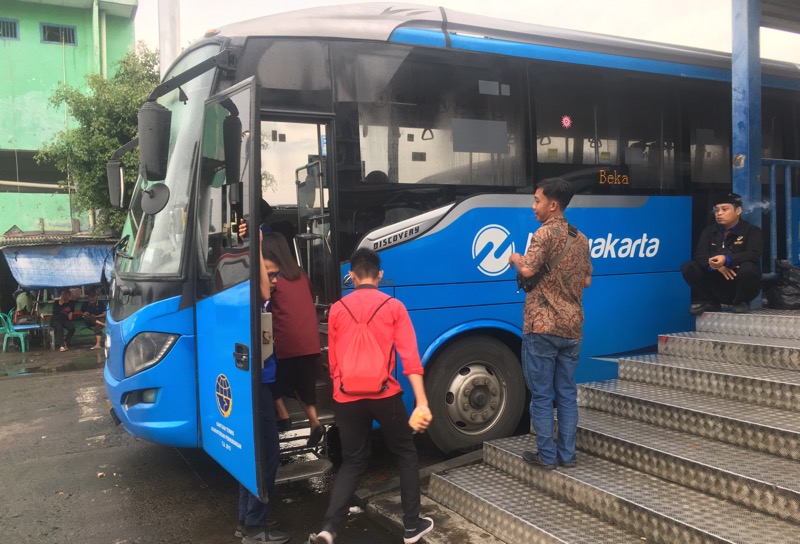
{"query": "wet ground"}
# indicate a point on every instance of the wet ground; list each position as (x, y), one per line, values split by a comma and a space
(69, 475)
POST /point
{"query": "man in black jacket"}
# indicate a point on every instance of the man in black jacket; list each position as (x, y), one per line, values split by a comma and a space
(726, 268)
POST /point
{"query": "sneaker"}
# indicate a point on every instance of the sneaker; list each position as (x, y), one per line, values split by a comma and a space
(700, 307)
(562, 464)
(532, 458)
(284, 425)
(741, 308)
(424, 526)
(266, 535)
(243, 529)
(323, 537)
(316, 435)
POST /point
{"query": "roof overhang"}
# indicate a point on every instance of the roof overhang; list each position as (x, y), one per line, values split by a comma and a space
(46, 266)
(117, 8)
(781, 15)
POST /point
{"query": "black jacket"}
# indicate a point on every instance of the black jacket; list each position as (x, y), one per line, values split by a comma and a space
(744, 244)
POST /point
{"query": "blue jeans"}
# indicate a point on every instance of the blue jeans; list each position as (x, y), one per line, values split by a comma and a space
(549, 364)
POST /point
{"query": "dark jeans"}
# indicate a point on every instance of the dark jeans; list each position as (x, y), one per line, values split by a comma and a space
(251, 510)
(92, 322)
(354, 420)
(59, 324)
(549, 363)
(711, 286)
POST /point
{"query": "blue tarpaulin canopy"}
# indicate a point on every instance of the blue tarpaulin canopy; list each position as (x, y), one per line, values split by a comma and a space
(41, 267)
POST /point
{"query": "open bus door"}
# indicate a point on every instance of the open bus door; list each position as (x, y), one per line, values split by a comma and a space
(228, 309)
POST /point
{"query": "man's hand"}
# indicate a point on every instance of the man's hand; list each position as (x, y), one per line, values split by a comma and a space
(726, 272)
(717, 261)
(242, 229)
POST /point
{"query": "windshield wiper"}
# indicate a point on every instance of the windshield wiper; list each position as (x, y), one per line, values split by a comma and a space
(118, 252)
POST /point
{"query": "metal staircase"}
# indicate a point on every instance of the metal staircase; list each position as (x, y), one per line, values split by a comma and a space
(698, 443)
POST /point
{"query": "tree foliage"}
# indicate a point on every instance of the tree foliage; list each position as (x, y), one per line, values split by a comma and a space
(106, 114)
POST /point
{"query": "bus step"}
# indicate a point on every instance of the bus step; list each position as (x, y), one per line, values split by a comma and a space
(762, 323)
(770, 387)
(768, 352)
(295, 472)
(514, 512)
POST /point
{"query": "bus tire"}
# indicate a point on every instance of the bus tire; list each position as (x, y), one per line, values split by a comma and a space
(476, 392)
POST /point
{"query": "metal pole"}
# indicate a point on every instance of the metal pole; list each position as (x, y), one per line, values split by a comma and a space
(773, 219)
(169, 33)
(789, 225)
(746, 93)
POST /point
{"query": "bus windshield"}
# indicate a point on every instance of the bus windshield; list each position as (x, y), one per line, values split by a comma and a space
(156, 241)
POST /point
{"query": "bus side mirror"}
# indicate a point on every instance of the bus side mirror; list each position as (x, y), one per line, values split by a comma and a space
(154, 128)
(116, 182)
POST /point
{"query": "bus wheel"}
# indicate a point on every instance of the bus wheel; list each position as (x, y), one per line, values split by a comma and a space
(476, 392)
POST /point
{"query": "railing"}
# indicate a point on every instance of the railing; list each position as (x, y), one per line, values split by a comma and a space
(787, 165)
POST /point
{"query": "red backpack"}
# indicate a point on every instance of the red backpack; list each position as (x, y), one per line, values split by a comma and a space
(362, 370)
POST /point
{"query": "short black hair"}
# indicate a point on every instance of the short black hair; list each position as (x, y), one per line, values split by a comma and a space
(365, 263)
(557, 189)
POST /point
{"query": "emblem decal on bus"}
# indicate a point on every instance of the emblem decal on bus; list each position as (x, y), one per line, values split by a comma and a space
(224, 396)
(491, 248)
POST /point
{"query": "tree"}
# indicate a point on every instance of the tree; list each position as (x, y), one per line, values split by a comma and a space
(106, 114)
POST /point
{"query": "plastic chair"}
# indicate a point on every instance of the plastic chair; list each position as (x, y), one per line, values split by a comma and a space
(11, 333)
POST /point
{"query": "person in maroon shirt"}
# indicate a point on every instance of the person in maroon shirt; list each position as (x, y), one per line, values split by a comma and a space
(296, 332)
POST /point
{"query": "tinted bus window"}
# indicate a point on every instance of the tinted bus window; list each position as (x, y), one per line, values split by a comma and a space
(606, 131)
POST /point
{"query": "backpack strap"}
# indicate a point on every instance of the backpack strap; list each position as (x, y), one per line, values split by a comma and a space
(387, 299)
(572, 233)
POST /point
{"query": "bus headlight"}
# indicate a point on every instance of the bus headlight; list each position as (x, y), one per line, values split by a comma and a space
(145, 350)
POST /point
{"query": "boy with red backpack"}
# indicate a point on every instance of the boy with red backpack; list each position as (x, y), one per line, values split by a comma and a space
(367, 329)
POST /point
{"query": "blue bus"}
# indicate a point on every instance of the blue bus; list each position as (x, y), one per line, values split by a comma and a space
(419, 132)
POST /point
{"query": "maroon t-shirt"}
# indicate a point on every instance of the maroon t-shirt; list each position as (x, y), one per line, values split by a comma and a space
(294, 318)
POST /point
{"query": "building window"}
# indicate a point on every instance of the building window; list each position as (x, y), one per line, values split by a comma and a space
(66, 35)
(9, 29)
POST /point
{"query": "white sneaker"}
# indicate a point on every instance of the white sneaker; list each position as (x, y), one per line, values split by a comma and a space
(323, 537)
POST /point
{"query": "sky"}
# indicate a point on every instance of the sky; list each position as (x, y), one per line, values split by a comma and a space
(705, 24)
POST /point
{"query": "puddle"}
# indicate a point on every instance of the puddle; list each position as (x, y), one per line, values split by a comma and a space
(29, 366)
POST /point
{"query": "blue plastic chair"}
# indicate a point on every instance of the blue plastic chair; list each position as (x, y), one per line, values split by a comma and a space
(10, 332)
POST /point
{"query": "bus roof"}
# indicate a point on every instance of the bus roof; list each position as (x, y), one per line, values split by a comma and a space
(379, 21)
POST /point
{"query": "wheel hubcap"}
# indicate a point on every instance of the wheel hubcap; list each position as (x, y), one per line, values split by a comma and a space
(475, 398)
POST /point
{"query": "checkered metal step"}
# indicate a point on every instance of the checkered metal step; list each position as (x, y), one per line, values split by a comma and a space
(768, 352)
(757, 427)
(759, 323)
(659, 510)
(518, 513)
(757, 480)
(771, 387)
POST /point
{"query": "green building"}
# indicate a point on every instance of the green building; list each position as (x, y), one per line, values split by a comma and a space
(45, 44)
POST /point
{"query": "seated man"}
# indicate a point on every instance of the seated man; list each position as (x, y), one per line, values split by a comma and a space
(63, 312)
(726, 268)
(94, 315)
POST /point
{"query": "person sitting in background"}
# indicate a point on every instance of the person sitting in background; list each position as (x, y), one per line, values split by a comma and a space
(726, 267)
(63, 312)
(94, 316)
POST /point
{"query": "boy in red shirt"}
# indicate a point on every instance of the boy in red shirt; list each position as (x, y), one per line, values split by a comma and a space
(391, 326)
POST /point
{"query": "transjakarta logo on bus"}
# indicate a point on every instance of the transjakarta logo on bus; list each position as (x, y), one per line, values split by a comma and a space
(613, 248)
(492, 246)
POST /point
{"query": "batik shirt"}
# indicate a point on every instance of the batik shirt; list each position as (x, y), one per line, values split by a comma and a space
(555, 305)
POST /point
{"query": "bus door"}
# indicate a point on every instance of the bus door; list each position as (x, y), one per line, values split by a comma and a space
(295, 181)
(228, 309)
